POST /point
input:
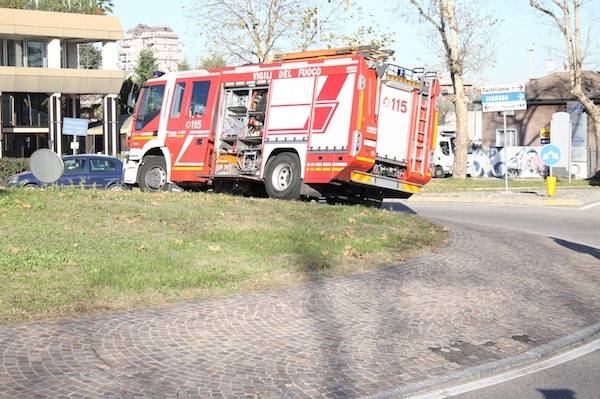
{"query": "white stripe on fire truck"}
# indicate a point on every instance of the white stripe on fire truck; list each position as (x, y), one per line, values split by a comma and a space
(370, 143)
(339, 61)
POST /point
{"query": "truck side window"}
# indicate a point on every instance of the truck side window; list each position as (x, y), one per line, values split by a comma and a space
(199, 98)
(177, 100)
(444, 147)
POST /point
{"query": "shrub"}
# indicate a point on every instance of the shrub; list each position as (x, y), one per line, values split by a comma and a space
(11, 166)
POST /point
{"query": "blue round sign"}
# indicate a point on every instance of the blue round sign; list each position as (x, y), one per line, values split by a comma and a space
(550, 154)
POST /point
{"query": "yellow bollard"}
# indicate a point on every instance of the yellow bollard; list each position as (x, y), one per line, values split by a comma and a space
(551, 186)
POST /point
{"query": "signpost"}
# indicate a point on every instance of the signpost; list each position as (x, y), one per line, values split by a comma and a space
(560, 126)
(503, 98)
(544, 136)
(75, 127)
(551, 156)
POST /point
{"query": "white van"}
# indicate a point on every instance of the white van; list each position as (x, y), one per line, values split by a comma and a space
(443, 156)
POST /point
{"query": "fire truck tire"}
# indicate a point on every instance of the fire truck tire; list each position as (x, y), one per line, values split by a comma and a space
(153, 174)
(282, 176)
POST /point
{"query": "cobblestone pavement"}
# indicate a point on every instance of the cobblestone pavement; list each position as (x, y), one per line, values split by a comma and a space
(488, 295)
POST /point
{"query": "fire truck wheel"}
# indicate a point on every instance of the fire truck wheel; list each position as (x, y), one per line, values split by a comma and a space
(282, 177)
(153, 174)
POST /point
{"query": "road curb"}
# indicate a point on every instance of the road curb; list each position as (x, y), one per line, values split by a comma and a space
(532, 356)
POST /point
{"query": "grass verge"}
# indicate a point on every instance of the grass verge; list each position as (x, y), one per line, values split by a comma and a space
(491, 184)
(69, 252)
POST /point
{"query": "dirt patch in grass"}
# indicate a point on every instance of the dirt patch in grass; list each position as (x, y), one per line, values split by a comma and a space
(69, 252)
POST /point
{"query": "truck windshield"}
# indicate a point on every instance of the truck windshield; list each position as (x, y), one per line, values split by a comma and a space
(152, 97)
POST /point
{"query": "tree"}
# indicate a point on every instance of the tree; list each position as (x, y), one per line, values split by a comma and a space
(76, 6)
(461, 31)
(184, 65)
(566, 14)
(252, 31)
(89, 56)
(146, 65)
(212, 61)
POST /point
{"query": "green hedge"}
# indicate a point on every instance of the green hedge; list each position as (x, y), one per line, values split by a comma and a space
(11, 166)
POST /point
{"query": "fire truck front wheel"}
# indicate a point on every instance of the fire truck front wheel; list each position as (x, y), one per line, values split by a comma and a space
(153, 174)
(282, 176)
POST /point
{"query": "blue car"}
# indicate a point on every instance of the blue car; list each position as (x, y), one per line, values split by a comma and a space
(86, 170)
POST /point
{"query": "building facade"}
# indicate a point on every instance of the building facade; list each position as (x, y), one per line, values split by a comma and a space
(41, 81)
(546, 96)
(160, 39)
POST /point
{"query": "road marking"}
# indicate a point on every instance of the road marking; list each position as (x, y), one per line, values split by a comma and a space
(589, 206)
(513, 374)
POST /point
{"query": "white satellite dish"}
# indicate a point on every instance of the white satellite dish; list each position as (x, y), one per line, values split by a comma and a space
(47, 166)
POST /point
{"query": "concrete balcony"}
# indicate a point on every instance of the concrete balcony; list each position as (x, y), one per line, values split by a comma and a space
(61, 80)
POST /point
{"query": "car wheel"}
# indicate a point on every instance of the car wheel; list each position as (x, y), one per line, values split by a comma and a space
(116, 187)
(153, 174)
(438, 172)
(282, 176)
(31, 186)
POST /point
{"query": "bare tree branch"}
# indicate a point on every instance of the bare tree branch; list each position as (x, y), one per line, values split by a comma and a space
(463, 36)
(256, 29)
(570, 27)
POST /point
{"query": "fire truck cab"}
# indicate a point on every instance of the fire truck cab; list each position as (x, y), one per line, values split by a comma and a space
(339, 123)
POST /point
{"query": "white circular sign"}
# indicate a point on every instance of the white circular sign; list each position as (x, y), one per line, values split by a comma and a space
(46, 165)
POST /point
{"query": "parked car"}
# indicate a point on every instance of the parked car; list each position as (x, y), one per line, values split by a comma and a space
(86, 170)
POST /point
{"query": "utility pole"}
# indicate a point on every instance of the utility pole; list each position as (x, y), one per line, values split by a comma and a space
(530, 61)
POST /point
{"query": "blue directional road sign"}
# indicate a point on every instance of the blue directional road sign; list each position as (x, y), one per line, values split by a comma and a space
(498, 98)
(494, 98)
(550, 154)
(75, 126)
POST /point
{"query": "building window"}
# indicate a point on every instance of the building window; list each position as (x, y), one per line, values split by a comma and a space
(30, 110)
(512, 137)
(30, 53)
(2, 52)
(36, 54)
(14, 53)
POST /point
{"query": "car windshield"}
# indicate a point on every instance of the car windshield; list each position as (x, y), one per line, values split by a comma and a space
(152, 97)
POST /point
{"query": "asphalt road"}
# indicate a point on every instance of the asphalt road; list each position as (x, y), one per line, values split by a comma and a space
(578, 379)
(570, 224)
(575, 228)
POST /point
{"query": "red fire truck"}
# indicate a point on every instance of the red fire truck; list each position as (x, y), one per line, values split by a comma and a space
(340, 123)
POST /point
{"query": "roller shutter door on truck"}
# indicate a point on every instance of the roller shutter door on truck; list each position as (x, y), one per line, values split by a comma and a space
(395, 110)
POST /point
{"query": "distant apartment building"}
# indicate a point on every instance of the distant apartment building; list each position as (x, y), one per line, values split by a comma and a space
(160, 39)
(41, 81)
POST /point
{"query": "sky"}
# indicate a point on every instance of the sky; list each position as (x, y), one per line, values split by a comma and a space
(521, 34)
